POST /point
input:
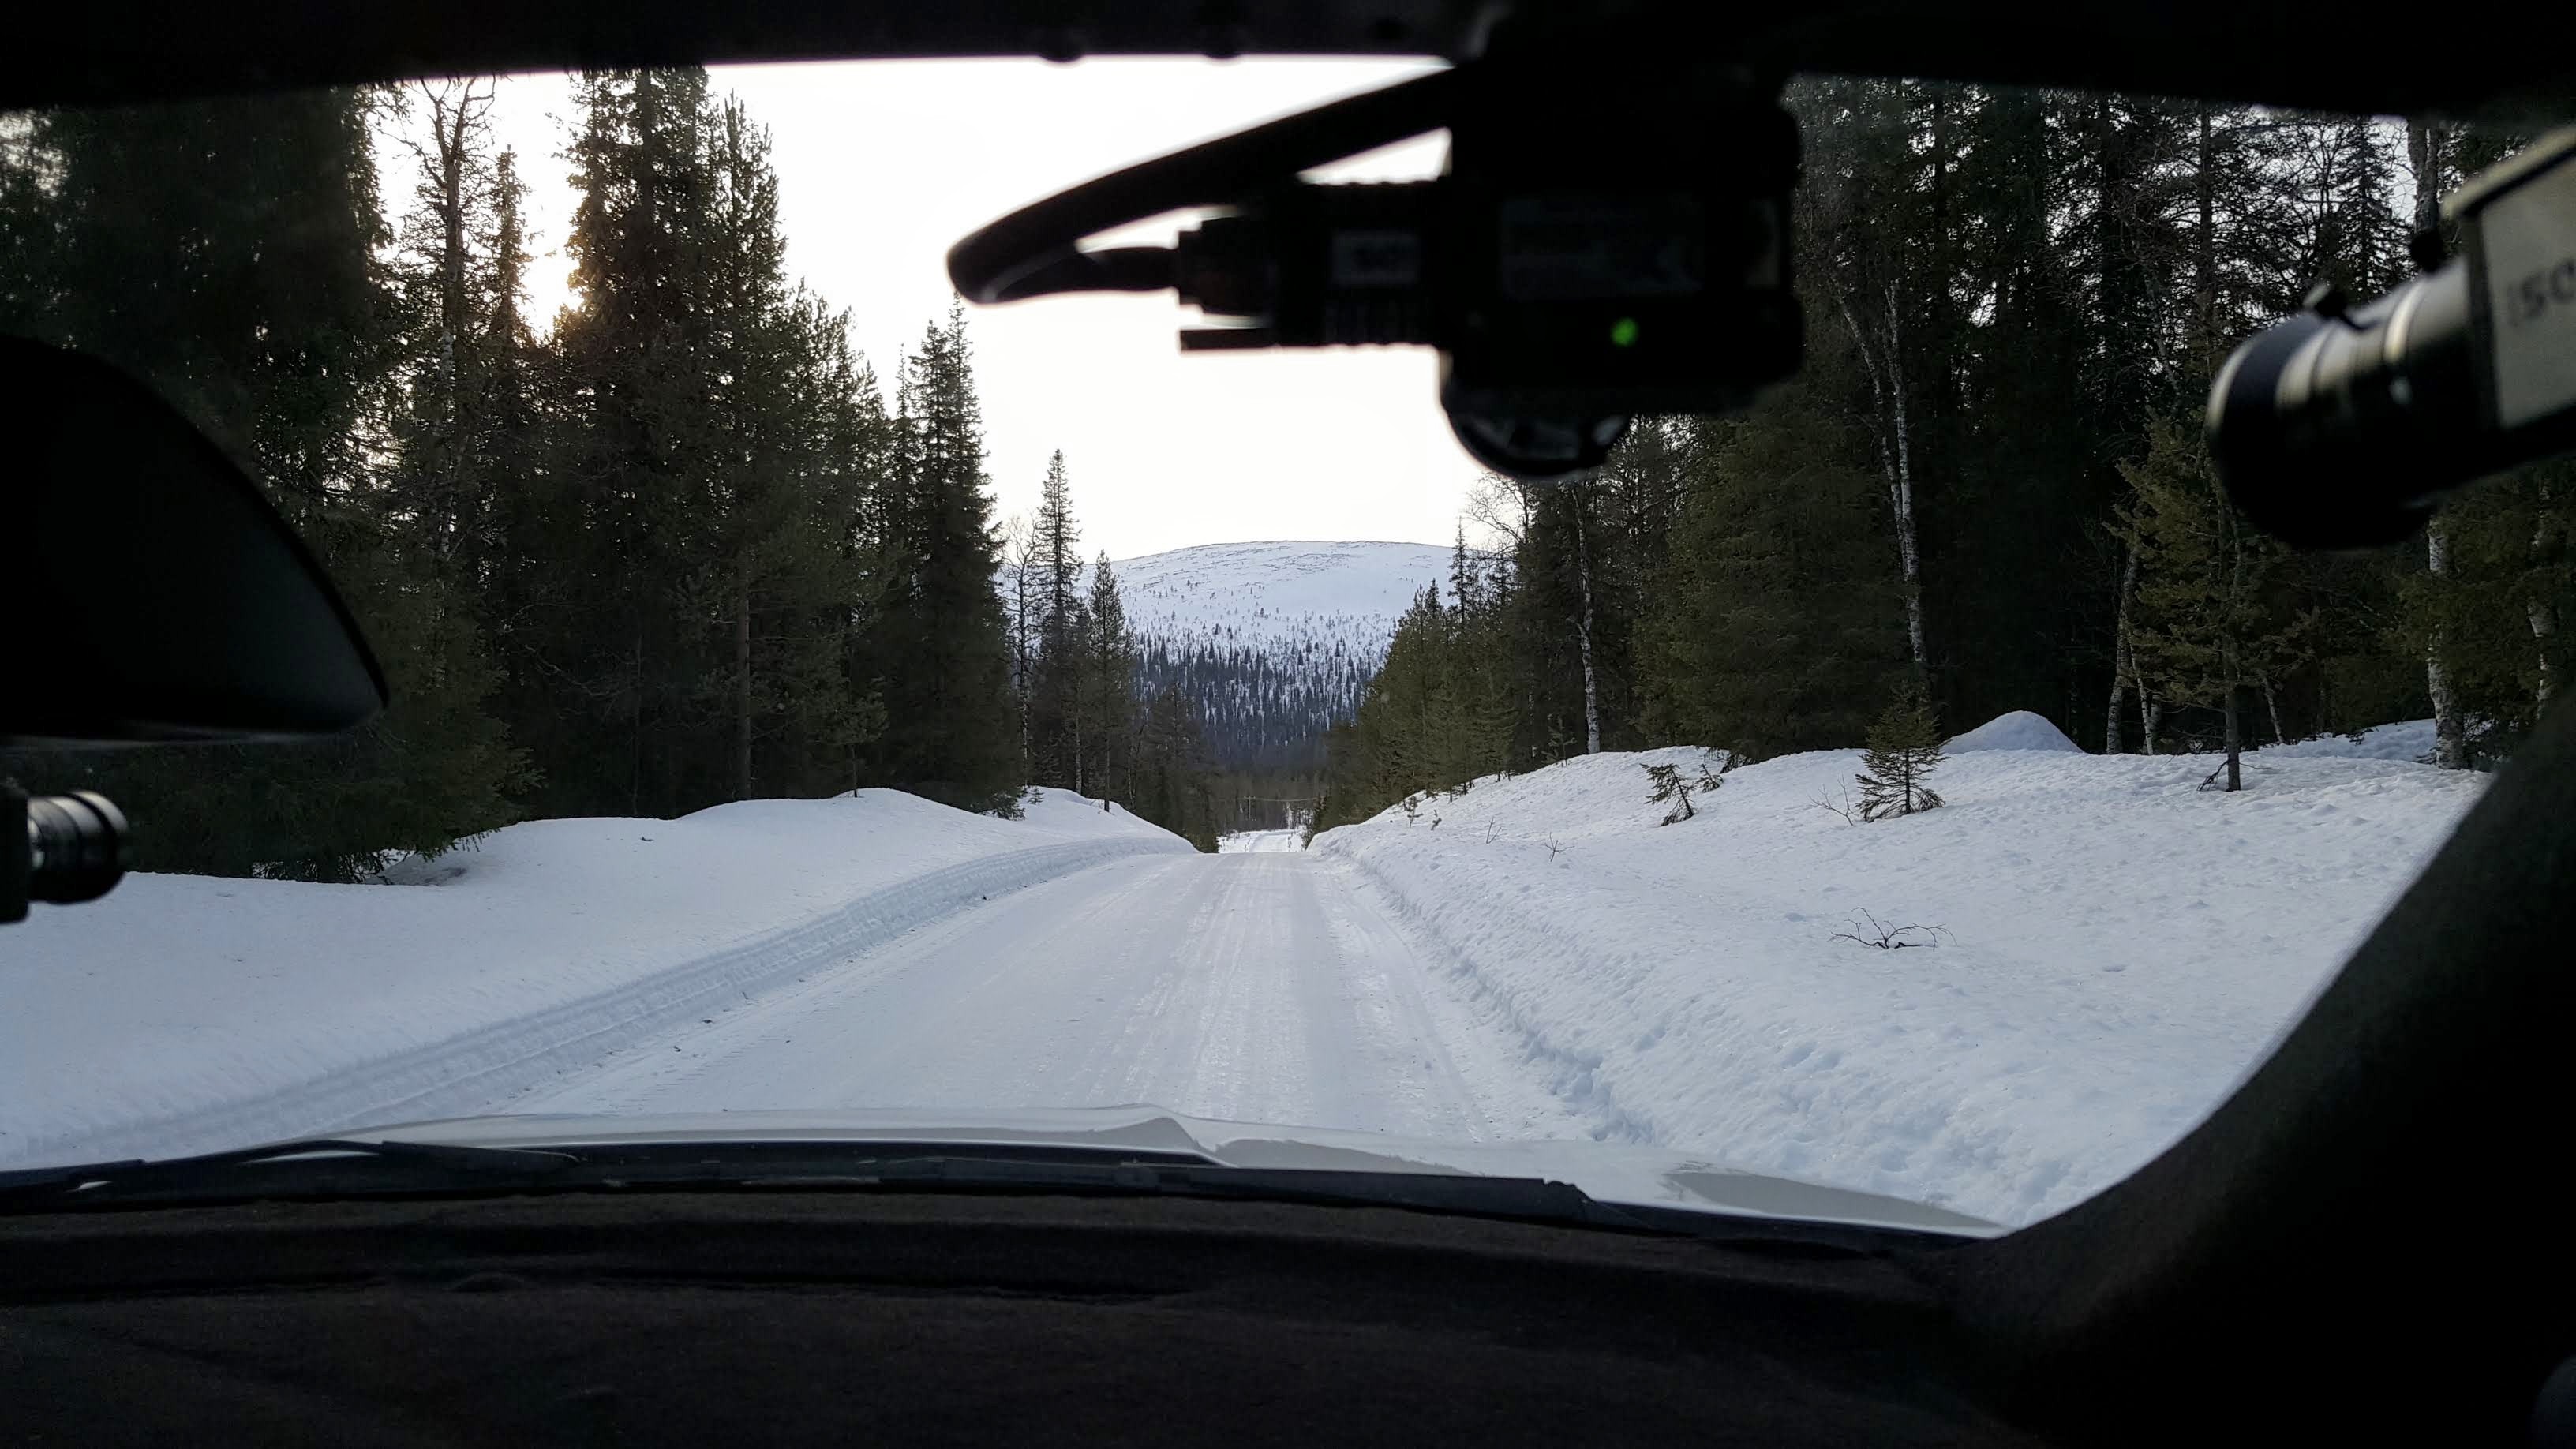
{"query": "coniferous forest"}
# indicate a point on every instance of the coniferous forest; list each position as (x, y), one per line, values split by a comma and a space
(680, 544)
(676, 546)
(1988, 481)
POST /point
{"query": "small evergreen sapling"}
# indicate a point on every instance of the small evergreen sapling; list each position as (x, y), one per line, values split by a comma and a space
(1671, 785)
(1904, 747)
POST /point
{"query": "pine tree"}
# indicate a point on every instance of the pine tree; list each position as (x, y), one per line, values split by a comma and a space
(1024, 615)
(1107, 693)
(1057, 705)
(943, 651)
(1776, 608)
(1672, 786)
(621, 625)
(1904, 749)
(235, 254)
(2213, 621)
(1171, 785)
(2490, 616)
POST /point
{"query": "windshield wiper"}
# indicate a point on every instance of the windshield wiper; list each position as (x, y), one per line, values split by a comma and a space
(343, 1168)
(323, 1161)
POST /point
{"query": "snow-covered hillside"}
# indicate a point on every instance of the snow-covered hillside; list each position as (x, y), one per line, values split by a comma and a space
(2106, 949)
(1271, 642)
(1268, 593)
(189, 1013)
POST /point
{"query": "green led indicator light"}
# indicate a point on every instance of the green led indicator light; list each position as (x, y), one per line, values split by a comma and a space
(1623, 333)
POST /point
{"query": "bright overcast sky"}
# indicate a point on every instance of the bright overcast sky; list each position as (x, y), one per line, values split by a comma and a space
(882, 165)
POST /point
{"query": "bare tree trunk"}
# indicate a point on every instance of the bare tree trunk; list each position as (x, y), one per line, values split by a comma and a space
(1902, 500)
(1885, 370)
(1583, 637)
(2272, 703)
(2235, 742)
(2204, 349)
(2111, 743)
(2231, 650)
(2541, 612)
(742, 686)
(2151, 713)
(2544, 626)
(2450, 740)
(635, 734)
(456, 113)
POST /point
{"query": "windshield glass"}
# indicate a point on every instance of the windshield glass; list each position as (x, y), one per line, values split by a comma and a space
(812, 694)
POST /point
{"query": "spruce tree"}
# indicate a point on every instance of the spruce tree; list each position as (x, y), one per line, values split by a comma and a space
(1173, 786)
(1672, 786)
(1776, 609)
(234, 253)
(1904, 748)
(621, 621)
(943, 651)
(1107, 688)
(1057, 702)
(2212, 620)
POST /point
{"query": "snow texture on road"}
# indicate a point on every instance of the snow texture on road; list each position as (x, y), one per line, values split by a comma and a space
(184, 1013)
(1253, 988)
(2117, 947)
(1261, 841)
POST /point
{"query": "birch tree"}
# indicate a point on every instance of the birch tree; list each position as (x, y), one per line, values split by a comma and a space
(1881, 350)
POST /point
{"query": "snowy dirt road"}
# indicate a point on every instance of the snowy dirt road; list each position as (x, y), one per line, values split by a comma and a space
(1252, 987)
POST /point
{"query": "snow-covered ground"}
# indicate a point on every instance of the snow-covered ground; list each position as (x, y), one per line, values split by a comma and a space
(2115, 948)
(2411, 741)
(1248, 988)
(2108, 950)
(185, 1013)
(1261, 842)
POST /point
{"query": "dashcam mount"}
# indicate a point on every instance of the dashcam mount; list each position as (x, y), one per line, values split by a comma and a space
(1607, 240)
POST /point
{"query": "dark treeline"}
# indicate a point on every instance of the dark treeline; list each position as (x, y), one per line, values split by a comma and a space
(1989, 477)
(670, 548)
(1265, 707)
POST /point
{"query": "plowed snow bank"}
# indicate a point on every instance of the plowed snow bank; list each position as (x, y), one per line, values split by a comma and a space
(2115, 947)
(187, 1013)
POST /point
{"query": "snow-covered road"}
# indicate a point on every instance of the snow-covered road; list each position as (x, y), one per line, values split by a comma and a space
(2116, 948)
(1253, 987)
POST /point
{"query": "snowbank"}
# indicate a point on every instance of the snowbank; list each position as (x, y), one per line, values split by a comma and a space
(1261, 842)
(2116, 948)
(185, 1013)
(2019, 730)
(2411, 741)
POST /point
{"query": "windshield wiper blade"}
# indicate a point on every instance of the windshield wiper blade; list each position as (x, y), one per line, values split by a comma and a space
(323, 1159)
(1519, 1199)
(330, 1167)
(1508, 1199)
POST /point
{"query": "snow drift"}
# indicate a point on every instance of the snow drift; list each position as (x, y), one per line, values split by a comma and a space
(2019, 730)
(2115, 949)
(191, 1013)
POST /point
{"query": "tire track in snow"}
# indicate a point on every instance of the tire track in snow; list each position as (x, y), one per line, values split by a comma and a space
(1238, 987)
(476, 1071)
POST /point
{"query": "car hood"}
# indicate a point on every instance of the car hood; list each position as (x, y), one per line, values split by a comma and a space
(1610, 1172)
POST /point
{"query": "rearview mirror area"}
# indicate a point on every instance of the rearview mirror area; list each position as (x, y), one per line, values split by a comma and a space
(158, 595)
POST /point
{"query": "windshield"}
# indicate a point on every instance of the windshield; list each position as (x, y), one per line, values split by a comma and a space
(813, 695)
